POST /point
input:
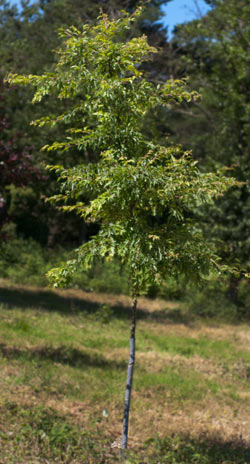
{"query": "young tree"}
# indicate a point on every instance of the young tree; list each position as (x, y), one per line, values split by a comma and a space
(141, 194)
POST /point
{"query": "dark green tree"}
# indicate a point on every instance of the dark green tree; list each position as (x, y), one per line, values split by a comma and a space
(214, 52)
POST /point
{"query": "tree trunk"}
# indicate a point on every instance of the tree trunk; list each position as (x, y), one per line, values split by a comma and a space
(232, 293)
(83, 232)
(129, 380)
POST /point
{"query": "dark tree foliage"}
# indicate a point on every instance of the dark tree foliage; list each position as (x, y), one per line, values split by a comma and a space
(17, 166)
(214, 52)
(28, 36)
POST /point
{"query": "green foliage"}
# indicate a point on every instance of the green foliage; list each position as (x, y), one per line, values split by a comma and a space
(104, 314)
(24, 261)
(142, 195)
(215, 54)
(136, 182)
(244, 298)
(23, 28)
(27, 211)
(212, 303)
(104, 277)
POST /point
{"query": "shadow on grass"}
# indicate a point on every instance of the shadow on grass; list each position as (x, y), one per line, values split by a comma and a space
(63, 355)
(203, 450)
(52, 302)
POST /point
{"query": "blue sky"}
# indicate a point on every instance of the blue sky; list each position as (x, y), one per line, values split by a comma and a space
(180, 11)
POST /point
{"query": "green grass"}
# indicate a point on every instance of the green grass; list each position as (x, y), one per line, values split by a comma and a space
(43, 434)
(185, 451)
(63, 359)
(202, 346)
(172, 383)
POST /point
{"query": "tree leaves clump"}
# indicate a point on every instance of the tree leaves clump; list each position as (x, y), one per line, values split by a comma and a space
(142, 195)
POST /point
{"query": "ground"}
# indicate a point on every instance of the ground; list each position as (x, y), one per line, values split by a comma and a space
(63, 370)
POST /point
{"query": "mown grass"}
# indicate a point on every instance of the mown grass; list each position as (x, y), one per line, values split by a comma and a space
(205, 347)
(44, 435)
(63, 361)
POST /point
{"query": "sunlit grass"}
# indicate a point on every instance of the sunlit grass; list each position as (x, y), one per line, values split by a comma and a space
(71, 353)
(203, 346)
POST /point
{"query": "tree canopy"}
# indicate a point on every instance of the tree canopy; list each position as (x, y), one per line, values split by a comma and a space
(142, 195)
(28, 36)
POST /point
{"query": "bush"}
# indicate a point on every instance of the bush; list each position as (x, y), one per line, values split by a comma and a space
(24, 261)
(212, 305)
(211, 301)
(107, 277)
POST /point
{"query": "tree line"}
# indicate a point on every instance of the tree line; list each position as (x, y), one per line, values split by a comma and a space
(212, 51)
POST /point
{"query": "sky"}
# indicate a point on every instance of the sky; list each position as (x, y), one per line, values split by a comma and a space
(180, 11)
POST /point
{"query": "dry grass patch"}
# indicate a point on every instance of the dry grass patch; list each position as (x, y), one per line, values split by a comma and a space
(64, 364)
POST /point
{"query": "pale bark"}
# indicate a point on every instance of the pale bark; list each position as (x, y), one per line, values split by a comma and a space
(129, 380)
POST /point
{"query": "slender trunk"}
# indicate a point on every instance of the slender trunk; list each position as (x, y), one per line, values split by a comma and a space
(129, 380)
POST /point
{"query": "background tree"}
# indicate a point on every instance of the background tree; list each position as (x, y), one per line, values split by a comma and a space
(17, 168)
(143, 195)
(214, 52)
(28, 34)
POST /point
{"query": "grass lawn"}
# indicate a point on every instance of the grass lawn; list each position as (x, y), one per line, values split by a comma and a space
(63, 363)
